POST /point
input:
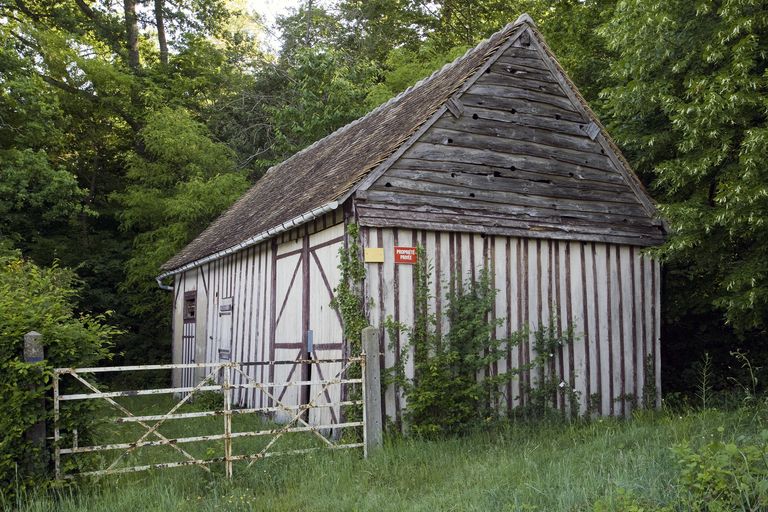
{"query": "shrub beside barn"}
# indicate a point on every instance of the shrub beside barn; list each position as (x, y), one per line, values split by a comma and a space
(494, 161)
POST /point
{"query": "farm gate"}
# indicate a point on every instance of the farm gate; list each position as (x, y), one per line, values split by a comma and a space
(219, 377)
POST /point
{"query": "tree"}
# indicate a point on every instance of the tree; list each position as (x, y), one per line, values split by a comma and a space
(84, 82)
(691, 111)
(178, 184)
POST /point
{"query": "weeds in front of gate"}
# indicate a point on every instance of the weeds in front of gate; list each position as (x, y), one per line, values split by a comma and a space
(605, 464)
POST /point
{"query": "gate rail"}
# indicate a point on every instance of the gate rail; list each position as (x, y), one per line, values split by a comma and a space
(151, 423)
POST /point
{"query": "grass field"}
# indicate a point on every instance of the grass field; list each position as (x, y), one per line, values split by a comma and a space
(585, 466)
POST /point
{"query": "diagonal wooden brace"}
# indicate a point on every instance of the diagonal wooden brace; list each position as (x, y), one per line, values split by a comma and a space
(129, 413)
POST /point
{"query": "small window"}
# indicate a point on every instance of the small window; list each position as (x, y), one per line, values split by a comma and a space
(189, 306)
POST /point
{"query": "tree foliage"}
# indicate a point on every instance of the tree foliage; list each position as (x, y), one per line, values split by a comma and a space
(34, 298)
(178, 184)
(690, 109)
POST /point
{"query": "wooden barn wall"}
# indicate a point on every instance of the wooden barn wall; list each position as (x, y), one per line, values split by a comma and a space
(609, 293)
(249, 277)
(517, 161)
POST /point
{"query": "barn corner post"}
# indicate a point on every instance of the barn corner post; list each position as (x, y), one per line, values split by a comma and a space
(36, 434)
(371, 390)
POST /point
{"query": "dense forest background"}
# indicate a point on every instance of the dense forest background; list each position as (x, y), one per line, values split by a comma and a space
(126, 127)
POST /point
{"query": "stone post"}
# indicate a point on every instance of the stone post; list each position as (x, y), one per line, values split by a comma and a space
(33, 353)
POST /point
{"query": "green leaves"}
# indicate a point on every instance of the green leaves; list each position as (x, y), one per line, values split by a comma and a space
(692, 113)
(178, 184)
(724, 474)
(40, 299)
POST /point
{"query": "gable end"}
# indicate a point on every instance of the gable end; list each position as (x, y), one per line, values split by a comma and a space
(524, 157)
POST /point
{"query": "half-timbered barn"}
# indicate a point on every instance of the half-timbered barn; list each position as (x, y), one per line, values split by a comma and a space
(493, 161)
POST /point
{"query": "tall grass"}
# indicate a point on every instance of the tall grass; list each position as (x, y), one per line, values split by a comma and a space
(518, 467)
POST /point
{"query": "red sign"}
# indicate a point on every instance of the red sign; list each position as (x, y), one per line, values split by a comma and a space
(405, 255)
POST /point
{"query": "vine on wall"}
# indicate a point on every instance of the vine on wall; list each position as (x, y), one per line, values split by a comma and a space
(349, 301)
(454, 389)
(348, 297)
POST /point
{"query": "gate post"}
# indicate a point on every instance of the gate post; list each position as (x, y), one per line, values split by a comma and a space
(372, 390)
(33, 353)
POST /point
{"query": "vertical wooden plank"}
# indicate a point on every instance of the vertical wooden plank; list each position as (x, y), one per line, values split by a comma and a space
(446, 268)
(428, 241)
(473, 261)
(657, 327)
(406, 308)
(267, 315)
(557, 274)
(253, 321)
(466, 256)
(645, 273)
(603, 319)
(437, 288)
(637, 326)
(534, 301)
(213, 298)
(614, 331)
(237, 320)
(514, 322)
(524, 280)
(567, 270)
(592, 327)
(627, 300)
(305, 304)
(248, 352)
(383, 347)
(579, 346)
(213, 309)
(389, 292)
(273, 317)
(373, 293)
(498, 251)
(619, 300)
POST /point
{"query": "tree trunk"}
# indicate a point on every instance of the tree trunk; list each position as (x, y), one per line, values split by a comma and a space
(132, 33)
(307, 41)
(160, 22)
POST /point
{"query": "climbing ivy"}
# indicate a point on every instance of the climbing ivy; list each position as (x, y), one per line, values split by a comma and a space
(453, 389)
(348, 297)
(349, 301)
(550, 384)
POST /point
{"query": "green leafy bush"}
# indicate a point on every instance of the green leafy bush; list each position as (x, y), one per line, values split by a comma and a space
(725, 475)
(453, 389)
(39, 299)
(550, 385)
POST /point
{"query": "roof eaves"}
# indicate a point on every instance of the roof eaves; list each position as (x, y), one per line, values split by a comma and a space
(264, 235)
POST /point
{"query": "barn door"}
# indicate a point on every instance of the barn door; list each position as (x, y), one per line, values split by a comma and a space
(188, 337)
(305, 325)
(324, 322)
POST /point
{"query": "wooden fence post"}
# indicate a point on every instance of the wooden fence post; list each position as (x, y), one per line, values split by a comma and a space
(372, 376)
(33, 353)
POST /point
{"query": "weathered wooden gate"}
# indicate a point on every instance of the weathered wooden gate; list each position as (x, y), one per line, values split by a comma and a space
(293, 415)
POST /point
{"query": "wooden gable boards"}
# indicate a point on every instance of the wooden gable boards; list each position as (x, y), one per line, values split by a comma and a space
(516, 152)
